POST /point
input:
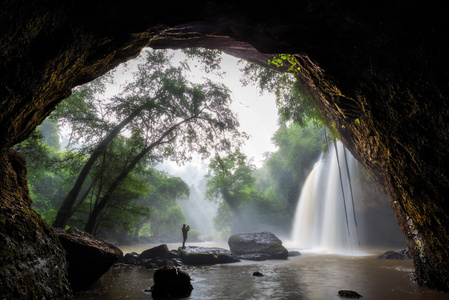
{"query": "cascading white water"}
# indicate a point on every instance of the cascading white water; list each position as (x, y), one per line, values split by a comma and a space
(324, 219)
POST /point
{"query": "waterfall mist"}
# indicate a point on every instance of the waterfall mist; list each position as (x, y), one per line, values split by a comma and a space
(199, 211)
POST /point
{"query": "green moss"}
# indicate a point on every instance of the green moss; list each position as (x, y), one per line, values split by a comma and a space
(25, 239)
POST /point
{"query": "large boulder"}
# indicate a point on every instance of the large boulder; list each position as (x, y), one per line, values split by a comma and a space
(160, 251)
(88, 257)
(171, 282)
(257, 246)
(159, 256)
(206, 256)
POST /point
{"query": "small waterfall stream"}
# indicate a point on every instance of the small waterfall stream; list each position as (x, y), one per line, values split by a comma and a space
(325, 218)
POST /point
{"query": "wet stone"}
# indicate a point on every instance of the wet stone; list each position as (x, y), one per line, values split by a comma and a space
(171, 283)
(349, 294)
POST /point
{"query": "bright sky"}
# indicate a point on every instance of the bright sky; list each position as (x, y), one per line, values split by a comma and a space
(257, 115)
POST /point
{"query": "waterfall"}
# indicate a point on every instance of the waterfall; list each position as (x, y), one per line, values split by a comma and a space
(325, 217)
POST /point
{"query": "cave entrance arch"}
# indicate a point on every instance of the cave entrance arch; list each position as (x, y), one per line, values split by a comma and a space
(379, 74)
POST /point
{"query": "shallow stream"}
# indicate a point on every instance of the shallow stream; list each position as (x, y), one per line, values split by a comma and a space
(309, 276)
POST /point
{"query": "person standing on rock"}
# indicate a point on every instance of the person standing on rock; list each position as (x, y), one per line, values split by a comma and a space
(185, 229)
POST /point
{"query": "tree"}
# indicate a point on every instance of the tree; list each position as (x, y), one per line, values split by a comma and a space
(230, 181)
(82, 113)
(161, 115)
(155, 205)
(299, 149)
(165, 116)
(49, 130)
(47, 180)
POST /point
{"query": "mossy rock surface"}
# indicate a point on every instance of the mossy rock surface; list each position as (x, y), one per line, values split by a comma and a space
(33, 263)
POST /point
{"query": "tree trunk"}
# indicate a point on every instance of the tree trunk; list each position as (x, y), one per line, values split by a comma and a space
(66, 210)
(240, 225)
(93, 217)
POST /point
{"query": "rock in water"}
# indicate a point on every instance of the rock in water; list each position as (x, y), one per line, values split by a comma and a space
(294, 253)
(257, 246)
(160, 251)
(206, 256)
(392, 255)
(171, 282)
(349, 294)
(88, 256)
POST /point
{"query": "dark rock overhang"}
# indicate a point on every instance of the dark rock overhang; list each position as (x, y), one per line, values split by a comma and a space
(383, 63)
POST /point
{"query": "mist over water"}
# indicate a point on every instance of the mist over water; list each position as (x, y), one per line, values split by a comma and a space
(325, 218)
(199, 211)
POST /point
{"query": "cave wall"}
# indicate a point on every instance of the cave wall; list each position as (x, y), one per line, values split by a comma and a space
(32, 262)
(377, 69)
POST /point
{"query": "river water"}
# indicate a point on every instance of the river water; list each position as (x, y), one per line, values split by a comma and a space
(309, 276)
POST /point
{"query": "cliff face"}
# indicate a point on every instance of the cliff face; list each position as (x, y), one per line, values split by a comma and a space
(378, 69)
(32, 261)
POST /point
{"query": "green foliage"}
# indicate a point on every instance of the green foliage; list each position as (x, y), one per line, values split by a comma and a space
(278, 61)
(172, 118)
(47, 180)
(287, 168)
(84, 113)
(210, 59)
(36, 152)
(208, 123)
(194, 235)
(292, 101)
(49, 130)
(165, 217)
(158, 115)
(230, 181)
(224, 221)
(265, 198)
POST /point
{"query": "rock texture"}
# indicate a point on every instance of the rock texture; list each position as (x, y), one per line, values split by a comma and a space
(206, 256)
(160, 251)
(171, 283)
(32, 261)
(294, 253)
(378, 70)
(349, 294)
(257, 246)
(397, 255)
(160, 256)
(88, 257)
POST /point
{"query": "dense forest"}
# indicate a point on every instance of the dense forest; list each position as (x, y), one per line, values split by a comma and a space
(105, 179)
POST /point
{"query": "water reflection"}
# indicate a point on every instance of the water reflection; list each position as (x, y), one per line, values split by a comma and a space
(310, 276)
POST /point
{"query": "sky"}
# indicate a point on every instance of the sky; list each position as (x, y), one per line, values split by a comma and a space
(257, 115)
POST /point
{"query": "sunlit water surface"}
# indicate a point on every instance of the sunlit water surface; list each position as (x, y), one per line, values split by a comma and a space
(310, 276)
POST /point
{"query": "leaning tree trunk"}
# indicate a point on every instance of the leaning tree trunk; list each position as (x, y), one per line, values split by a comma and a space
(92, 221)
(91, 224)
(66, 210)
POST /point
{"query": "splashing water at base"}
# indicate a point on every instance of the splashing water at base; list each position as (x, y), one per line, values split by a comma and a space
(325, 218)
